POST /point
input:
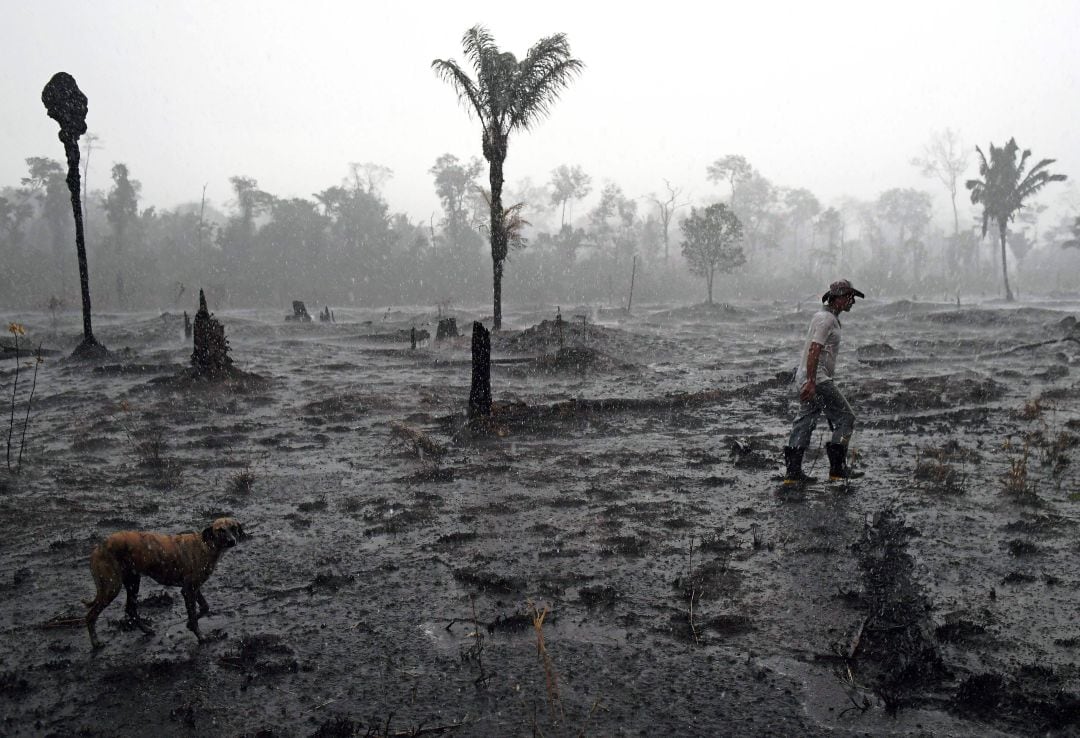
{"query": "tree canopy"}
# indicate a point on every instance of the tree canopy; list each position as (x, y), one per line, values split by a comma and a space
(712, 241)
(507, 95)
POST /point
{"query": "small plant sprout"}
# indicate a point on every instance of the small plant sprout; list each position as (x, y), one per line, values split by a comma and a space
(149, 444)
(551, 679)
(16, 330)
(36, 363)
(1032, 409)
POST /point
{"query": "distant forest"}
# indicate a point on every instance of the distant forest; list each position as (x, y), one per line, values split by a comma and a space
(346, 245)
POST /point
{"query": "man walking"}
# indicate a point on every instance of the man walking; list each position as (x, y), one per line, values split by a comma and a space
(818, 393)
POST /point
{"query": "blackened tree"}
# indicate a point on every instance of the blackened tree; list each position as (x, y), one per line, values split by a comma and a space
(67, 105)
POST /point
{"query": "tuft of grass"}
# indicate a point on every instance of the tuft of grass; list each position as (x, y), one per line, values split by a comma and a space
(1016, 483)
(1032, 410)
(242, 483)
(940, 476)
(149, 447)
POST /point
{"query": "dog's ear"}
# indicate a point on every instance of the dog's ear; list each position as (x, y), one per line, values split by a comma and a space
(208, 536)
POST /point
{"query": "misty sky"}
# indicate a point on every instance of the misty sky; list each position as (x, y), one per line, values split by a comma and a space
(834, 97)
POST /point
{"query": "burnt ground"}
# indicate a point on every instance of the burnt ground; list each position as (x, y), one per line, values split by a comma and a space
(396, 581)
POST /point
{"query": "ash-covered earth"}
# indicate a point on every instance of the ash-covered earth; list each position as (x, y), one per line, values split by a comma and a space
(611, 555)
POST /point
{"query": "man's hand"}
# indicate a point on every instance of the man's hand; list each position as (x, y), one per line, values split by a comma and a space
(807, 392)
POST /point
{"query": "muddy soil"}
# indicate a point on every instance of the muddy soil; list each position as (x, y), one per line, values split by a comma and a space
(632, 568)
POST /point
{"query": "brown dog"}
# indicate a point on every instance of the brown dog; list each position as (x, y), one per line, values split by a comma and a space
(183, 560)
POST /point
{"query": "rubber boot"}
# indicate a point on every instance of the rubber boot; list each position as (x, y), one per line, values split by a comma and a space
(838, 469)
(793, 460)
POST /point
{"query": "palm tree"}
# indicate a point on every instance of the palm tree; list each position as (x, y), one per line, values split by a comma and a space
(1003, 189)
(67, 105)
(507, 95)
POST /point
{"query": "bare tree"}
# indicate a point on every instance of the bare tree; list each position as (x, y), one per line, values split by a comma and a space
(90, 139)
(945, 159)
(202, 220)
(667, 209)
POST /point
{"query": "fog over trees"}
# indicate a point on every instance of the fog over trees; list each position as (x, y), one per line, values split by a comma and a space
(570, 235)
(346, 245)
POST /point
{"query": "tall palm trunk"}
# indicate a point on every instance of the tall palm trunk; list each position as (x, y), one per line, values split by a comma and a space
(1003, 230)
(71, 149)
(66, 104)
(497, 155)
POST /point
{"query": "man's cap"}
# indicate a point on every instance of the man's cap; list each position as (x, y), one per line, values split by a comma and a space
(841, 288)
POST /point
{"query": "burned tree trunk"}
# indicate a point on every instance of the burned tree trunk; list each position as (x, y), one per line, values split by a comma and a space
(447, 329)
(480, 392)
(67, 105)
(300, 313)
(210, 359)
(187, 325)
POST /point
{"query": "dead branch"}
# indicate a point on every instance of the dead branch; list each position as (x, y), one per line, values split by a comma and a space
(856, 639)
(422, 443)
(60, 621)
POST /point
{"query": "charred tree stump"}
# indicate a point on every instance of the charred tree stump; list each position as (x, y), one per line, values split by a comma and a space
(300, 313)
(412, 338)
(67, 105)
(447, 329)
(480, 392)
(210, 359)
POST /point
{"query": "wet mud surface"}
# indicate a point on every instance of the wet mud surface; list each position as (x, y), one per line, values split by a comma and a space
(615, 557)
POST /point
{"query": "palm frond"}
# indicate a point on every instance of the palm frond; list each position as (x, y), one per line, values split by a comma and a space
(1005, 186)
(467, 91)
(534, 104)
(507, 95)
(479, 45)
(545, 71)
(501, 89)
(512, 220)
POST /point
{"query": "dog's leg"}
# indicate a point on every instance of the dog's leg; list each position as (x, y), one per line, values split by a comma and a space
(131, 607)
(191, 594)
(106, 573)
(204, 606)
